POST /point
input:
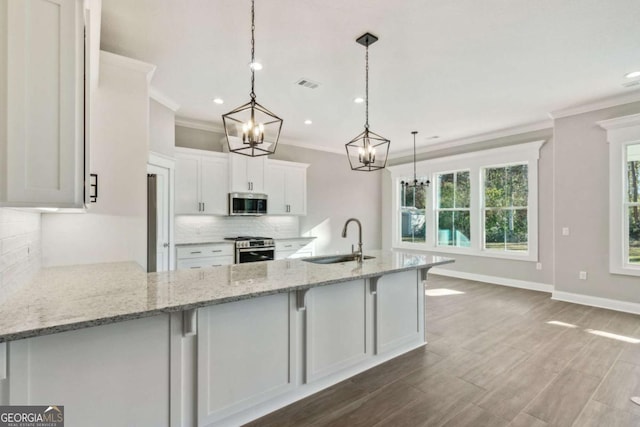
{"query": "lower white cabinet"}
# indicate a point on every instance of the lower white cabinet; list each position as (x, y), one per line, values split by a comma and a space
(204, 256)
(245, 355)
(111, 375)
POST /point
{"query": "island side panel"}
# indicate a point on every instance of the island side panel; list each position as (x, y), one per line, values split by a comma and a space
(246, 355)
(107, 375)
(399, 311)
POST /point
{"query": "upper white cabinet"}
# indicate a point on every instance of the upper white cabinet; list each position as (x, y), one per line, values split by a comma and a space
(42, 103)
(202, 182)
(247, 173)
(286, 185)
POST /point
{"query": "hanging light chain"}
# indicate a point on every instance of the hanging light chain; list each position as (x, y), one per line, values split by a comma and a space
(253, 49)
(366, 124)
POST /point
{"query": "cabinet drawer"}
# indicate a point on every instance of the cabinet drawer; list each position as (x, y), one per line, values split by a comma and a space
(292, 245)
(208, 262)
(204, 251)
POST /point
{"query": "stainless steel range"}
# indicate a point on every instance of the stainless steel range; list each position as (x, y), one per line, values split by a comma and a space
(253, 249)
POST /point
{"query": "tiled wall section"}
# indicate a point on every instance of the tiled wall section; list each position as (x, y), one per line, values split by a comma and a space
(20, 248)
(195, 229)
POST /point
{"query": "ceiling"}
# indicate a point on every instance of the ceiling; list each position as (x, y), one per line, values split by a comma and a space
(452, 69)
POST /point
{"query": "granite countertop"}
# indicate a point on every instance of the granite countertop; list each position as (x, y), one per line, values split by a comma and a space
(65, 298)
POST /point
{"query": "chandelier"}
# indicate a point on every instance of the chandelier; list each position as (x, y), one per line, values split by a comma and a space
(368, 151)
(415, 183)
(251, 129)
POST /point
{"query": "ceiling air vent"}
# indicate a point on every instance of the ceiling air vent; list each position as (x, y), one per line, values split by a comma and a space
(631, 84)
(307, 83)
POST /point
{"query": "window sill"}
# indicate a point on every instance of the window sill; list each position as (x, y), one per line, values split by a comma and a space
(626, 270)
(471, 252)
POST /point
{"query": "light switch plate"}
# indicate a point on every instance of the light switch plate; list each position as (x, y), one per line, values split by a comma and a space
(565, 231)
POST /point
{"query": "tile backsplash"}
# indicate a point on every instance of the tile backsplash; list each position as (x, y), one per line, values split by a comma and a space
(20, 248)
(195, 228)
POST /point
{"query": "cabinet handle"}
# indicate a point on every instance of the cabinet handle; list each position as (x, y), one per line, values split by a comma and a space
(216, 265)
(202, 206)
(197, 252)
(288, 246)
(216, 250)
(193, 268)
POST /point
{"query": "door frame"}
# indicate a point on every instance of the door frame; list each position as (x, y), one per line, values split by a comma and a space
(166, 162)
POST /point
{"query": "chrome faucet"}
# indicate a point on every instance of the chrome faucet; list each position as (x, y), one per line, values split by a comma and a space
(344, 234)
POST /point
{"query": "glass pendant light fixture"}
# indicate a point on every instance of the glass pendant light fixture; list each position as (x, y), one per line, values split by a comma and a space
(415, 183)
(251, 129)
(368, 151)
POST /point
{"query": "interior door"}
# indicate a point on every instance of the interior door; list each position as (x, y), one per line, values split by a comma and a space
(162, 216)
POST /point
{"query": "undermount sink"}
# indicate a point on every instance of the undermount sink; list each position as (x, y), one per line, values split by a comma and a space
(334, 259)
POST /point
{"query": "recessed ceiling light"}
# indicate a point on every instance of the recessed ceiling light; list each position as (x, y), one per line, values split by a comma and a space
(632, 74)
(255, 66)
(218, 101)
(358, 100)
(308, 122)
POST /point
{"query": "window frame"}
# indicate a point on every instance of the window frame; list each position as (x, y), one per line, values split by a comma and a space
(437, 210)
(621, 133)
(475, 162)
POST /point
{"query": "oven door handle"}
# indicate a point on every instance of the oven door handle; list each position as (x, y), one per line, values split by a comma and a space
(256, 249)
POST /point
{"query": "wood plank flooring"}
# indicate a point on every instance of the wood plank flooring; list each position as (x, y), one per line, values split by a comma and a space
(493, 359)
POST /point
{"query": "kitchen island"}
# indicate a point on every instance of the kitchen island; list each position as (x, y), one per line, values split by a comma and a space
(221, 346)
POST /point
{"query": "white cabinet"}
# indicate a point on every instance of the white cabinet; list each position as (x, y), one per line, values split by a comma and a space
(245, 356)
(294, 248)
(204, 256)
(286, 185)
(202, 182)
(42, 103)
(247, 173)
(111, 375)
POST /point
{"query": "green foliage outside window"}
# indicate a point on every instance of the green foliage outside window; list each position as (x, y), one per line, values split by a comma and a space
(454, 199)
(633, 196)
(413, 203)
(506, 192)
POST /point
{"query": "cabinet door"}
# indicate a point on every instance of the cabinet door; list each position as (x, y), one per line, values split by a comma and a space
(208, 262)
(296, 191)
(275, 186)
(214, 185)
(247, 173)
(44, 103)
(187, 198)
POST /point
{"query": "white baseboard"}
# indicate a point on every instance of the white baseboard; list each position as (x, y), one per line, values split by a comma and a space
(514, 283)
(611, 304)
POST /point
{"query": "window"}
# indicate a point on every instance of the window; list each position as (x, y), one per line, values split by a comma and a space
(453, 213)
(632, 205)
(413, 226)
(505, 208)
(482, 203)
(623, 136)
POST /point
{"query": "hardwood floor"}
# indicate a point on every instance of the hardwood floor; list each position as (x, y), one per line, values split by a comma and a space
(496, 356)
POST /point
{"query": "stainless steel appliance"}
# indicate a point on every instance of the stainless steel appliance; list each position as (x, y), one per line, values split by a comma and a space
(253, 249)
(248, 204)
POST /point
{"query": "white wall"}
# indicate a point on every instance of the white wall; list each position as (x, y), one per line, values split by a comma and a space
(162, 128)
(19, 249)
(581, 204)
(198, 139)
(114, 229)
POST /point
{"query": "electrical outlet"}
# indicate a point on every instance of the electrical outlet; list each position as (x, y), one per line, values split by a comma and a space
(583, 275)
(565, 231)
(539, 266)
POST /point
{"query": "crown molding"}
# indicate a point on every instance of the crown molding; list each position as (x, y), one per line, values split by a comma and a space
(163, 99)
(489, 136)
(130, 63)
(602, 103)
(620, 122)
(199, 124)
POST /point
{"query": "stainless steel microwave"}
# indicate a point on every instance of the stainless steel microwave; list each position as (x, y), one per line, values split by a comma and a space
(248, 204)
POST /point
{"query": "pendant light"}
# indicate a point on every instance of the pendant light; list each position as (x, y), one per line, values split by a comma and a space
(415, 183)
(368, 151)
(251, 129)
